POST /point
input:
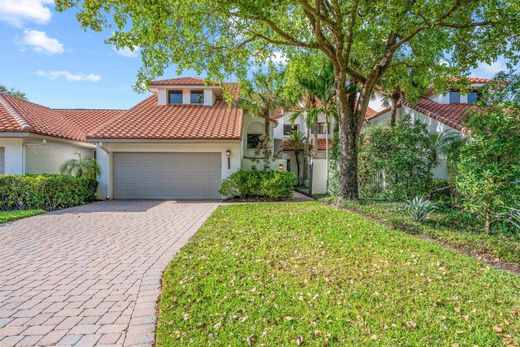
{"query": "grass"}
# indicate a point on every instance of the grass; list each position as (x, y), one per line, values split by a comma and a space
(453, 226)
(8, 216)
(283, 274)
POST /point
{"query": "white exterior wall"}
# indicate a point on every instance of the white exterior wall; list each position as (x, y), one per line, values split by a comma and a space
(105, 190)
(162, 97)
(49, 156)
(319, 176)
(377, 102)
(14, 157)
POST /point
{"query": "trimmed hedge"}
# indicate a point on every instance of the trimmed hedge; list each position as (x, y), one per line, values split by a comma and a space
(274, 185)
(48, 192)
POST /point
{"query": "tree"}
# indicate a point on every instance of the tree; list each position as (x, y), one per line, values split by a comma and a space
(262, 97)
(13, 92)
(363, 40)
(296, 143)
(87, 168)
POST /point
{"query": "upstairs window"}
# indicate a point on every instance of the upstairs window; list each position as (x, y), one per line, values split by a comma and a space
(472, 97)
(253, 140)
(454, 97)
(175, 97)
(288, 128)
(197, 97)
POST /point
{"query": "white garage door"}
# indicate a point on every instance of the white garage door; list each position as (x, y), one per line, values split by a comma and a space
(167, 175)
(2, 160)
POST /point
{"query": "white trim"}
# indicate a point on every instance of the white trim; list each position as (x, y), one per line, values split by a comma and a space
(17, 117)
(102, 140)
(172, 86)
(26, 134)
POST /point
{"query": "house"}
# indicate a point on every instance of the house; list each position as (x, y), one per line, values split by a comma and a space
(179, 143)
(439, 111)
(36, 139)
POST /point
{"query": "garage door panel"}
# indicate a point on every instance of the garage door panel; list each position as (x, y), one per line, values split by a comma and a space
(167, 175)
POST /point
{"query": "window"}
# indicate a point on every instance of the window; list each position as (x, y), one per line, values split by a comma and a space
(472, 97)
(197, 97)
(454, 97)
(321, 128)
(175, 97)
(287, 128)
(253, 141)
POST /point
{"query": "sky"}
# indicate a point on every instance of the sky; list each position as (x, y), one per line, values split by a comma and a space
(48, 56)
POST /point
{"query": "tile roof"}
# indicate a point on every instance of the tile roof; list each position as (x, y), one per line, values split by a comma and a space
(322, 143)
(89, 119)
(181, 81)
(452, 115)
(148, 120)
(370, 113)
(479, 80)
(30, 117)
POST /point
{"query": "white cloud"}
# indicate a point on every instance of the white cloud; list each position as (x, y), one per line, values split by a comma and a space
(41, 43)
(127, 52)
(489, 70)
(17, 12)
(69, 76)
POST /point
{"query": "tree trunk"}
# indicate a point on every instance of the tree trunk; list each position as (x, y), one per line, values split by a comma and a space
(297, 156)
(266, 125)
(393, 107)
(315, 141)
(348, 140)
(488, 220)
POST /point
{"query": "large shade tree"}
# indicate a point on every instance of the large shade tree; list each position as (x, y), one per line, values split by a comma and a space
(361, 39)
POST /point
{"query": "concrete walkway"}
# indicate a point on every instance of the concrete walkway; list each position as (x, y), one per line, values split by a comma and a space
(90, 275)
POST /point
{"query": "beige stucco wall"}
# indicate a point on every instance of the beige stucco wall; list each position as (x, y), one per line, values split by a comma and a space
(13, 155)
(48, 157)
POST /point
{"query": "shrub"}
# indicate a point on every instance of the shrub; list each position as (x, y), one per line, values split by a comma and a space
(272, 184)
(48, 192)
(396, 162)
(489, 168)
(419, 208)
(278, 184)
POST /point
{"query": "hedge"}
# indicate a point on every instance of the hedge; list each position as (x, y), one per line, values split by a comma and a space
(48, 192)
(274, 185)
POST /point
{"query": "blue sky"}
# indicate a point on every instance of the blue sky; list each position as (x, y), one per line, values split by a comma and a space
(49, 57)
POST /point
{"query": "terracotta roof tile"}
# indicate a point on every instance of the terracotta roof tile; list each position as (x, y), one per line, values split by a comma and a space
(89, 119)
(452, 115)
(148, 120)
(38, 119)
(479, 80)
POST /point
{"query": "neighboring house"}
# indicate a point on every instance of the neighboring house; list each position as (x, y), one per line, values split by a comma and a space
(36, 139)
(179, 143)
(440, 112)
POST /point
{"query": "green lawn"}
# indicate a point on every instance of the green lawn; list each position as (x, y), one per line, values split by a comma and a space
(456, 227)
(7, 216)
(304, 273)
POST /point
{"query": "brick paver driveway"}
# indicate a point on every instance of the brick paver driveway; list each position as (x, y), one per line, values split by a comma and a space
(90, 275)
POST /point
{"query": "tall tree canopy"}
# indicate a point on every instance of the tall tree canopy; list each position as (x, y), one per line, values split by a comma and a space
(363, 40)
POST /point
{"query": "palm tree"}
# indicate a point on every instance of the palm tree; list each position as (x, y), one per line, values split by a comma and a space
(317, 90)
(262, 97)
(87, 168)
(296, 142)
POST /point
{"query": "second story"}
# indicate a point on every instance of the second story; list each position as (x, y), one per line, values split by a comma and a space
(189, 91)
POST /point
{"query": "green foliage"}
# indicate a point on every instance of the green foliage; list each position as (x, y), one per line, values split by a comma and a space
(8, 216)
(419, 208)
(489, 166)
(48, 192)
(396, 162)
(274, 185)
(453, 226)
(13, 92)
(296, 141)
(87, 168)
(302, 273)
(277, 185)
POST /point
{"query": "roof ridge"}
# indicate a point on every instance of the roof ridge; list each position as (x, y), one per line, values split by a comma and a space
(13, 112)
(89, 109)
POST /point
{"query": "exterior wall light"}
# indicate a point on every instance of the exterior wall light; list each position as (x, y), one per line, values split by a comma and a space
(228, 155)
(281, 167)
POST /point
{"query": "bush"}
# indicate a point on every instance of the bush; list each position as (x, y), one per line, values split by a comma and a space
(48, 192)
(272, 184)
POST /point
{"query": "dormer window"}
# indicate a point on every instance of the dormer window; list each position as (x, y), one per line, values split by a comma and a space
(454, 97)
(197, 97)
(175, 97)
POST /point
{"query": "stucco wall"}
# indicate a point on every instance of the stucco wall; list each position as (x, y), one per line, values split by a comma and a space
(48, 157)
(13, 155)
(105, 159)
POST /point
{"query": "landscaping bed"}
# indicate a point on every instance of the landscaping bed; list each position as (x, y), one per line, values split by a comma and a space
(308, 274)
(452, 226)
